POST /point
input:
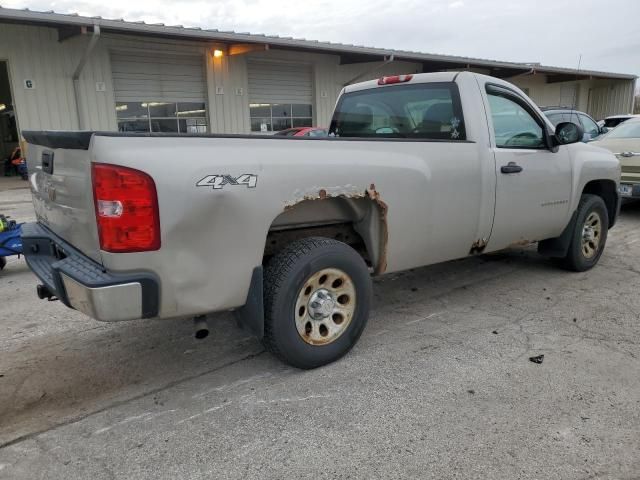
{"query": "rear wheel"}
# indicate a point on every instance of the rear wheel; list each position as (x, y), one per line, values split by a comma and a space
(317, 294)
(3, 263)
(589, 235)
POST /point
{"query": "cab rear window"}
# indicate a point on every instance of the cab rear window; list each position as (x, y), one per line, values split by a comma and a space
(429, 111)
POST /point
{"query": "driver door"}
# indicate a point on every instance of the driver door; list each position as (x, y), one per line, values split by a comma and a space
(533, 183)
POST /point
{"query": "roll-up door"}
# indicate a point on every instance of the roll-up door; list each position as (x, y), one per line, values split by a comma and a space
(280, 95)
(159, 92)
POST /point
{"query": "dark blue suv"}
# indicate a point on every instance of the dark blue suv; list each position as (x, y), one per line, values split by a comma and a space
(564, 114)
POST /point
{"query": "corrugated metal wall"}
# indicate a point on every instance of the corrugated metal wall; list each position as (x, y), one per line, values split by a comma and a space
(35, 54)
(229, 106)
(599, 98)
(611, 99)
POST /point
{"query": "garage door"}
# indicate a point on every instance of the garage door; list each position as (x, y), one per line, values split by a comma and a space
(159, 93)
(280, 95)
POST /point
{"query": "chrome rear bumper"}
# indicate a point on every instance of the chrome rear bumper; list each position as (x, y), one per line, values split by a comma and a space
(84, 285)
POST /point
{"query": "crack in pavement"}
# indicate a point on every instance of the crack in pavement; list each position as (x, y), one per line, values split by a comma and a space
(71, 421)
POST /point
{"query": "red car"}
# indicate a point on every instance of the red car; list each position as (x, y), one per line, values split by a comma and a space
(303, 132)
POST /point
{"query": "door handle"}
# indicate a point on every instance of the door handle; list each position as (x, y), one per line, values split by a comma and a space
(511, 167)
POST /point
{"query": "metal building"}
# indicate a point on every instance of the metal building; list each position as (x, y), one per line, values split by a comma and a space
(72, 72)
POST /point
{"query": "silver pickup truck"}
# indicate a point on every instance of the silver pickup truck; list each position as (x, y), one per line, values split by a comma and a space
(287, 231)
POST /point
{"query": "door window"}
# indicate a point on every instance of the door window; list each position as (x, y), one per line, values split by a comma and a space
(590, 127)
(514, 127)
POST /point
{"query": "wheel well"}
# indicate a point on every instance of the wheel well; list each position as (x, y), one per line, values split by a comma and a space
(359, 222)
(605, 189)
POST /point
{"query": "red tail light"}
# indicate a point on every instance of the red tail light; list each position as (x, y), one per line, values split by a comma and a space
(395, 79)
(126, 209)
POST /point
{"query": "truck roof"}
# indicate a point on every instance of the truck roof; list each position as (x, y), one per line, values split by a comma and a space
(426, 78)
(416, 78)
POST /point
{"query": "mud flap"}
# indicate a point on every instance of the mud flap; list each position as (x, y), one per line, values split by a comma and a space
(559, 246)
(251, 314)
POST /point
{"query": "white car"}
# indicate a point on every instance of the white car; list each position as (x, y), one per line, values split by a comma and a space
(614, 120)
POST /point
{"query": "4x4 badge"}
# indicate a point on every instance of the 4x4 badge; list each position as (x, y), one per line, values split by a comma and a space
(216, 182)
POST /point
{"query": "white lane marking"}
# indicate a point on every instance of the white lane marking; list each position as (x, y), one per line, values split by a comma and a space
(424, 318)
(257, 402)
(229, 386)
(300, 399)
(209, 410)
(381, 332)
(144, 416)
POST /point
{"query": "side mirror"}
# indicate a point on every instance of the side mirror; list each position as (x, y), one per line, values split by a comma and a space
(603, 130)
(567, 132)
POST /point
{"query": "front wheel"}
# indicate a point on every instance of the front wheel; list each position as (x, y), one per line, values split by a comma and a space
(317, 294)
(589, 235)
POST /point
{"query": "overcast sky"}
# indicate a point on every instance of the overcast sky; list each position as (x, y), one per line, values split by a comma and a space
(553, 32)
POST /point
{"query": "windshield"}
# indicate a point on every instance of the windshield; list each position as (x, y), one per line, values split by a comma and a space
(626, 130)
(614, 122)
(318, 132)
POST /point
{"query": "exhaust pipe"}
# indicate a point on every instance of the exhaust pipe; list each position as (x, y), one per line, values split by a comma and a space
(202, 329)
(45, 293)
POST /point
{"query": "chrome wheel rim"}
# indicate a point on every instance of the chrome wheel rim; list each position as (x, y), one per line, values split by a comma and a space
(591, 235)
(325, 306)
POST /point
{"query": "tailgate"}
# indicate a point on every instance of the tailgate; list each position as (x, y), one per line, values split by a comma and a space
(59, 165)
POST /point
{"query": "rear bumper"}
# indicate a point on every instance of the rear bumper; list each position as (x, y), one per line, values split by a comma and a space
(85, 285)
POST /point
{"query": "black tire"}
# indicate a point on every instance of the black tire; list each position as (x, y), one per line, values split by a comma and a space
(3, 263)
(284, 277)
(576, 260)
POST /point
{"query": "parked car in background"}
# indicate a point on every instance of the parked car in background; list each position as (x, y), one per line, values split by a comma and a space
(564, 114)
(614, 120)
(624, 142)
(303, 132)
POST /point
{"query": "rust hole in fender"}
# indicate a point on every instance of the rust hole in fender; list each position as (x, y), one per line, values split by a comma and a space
(374, 195)
(478, 246)
(353, 192)
(520, 243)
